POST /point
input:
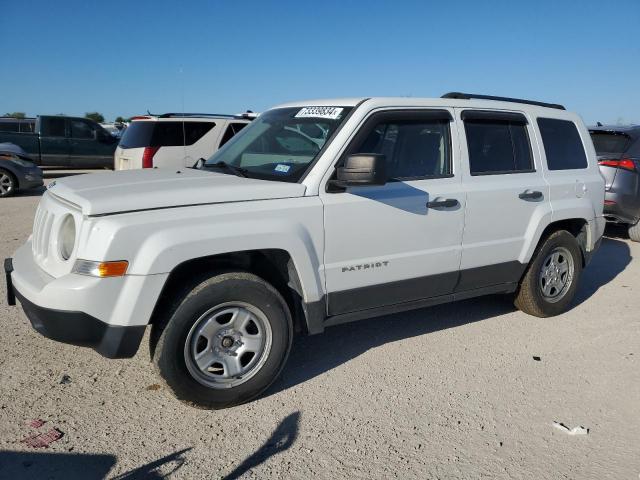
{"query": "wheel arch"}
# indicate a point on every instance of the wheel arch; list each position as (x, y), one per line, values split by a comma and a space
(275, 266)
(578, 227)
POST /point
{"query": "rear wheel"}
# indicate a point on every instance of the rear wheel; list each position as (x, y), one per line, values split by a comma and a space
(634, 232)
(225, 342)
(551, 280)
(8, 183)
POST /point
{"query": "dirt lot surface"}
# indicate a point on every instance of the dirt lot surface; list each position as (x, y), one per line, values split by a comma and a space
(453, 391)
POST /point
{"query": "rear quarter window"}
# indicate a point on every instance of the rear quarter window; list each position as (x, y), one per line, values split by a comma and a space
(562, 144)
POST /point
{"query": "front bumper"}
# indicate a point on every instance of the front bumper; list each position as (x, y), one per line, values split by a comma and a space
(77, 328)
(31, 179)
(106, 314)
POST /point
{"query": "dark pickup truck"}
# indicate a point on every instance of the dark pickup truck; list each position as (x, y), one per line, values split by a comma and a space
(60, 141)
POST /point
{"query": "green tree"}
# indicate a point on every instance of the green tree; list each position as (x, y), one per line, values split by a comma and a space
(16, 115)
(95, 116)
(120, 119)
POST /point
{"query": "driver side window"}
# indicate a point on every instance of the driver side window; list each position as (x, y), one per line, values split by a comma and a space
(413, 149)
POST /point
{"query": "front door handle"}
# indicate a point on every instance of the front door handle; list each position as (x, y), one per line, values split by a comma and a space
(530, 195)
(447, 203)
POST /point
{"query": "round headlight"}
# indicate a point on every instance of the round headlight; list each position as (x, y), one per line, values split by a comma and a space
(67, 237)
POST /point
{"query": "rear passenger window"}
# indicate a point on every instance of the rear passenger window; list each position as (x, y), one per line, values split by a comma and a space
(562, 144)
(413, 149)
(498, 146)
(231, 131)
(52, 127)
(194, 131)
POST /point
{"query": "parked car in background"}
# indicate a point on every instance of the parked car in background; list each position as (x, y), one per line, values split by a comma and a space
(17, 170)
(175, 140)
(618, 150)
(61, 141)
(116, 129)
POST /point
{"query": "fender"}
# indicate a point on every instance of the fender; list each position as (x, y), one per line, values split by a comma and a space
(157, 242)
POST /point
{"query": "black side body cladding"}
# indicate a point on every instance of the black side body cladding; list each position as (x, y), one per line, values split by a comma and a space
(385, 299)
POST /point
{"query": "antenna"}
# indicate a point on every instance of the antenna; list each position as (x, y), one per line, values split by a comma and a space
(184, 133)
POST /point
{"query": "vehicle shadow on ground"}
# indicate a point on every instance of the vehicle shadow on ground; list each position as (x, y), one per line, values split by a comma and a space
(280, 440)
(82, 466)
(311, 356)
(70, 466)
(611, 259)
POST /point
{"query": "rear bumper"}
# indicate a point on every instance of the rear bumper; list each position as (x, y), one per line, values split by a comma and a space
(77, 328)
(622, 202)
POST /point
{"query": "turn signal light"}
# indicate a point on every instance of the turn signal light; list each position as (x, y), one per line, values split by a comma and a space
(101, 269)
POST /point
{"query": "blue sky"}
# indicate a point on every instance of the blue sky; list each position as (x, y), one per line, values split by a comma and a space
(124, 57)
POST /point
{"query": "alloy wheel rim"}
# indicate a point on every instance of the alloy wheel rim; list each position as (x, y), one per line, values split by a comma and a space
(556, 274)
(228, 345)
(6, 184)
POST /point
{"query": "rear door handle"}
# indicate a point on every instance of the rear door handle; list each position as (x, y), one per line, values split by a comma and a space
(447, 203)
(530, 195)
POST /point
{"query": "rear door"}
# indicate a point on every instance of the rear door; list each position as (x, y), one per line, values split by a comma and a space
(391, 244)
(54, 144)
(506, 196)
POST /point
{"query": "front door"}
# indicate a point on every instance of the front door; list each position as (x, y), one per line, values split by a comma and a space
(397, 243)
(90, 145)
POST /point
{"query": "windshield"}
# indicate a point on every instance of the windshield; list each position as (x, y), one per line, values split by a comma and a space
(280, 144)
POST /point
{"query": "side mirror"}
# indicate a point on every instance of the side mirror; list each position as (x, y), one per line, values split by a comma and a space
(363, 169)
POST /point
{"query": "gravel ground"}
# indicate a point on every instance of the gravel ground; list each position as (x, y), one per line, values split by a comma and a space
(448, 392)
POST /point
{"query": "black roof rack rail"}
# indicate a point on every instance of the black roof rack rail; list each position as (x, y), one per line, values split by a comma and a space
(470, 96)
(177, 114)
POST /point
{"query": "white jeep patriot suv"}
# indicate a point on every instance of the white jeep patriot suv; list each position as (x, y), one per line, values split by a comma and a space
(317, 213)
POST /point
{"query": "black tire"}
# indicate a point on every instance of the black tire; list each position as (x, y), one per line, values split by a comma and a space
(634, 232)
(170, 356)
(8, 183)
(529, 297)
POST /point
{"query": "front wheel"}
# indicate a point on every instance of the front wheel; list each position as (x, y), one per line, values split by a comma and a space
(551, 280)
(226, 342)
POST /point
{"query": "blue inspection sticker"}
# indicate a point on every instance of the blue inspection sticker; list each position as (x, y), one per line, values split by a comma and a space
(282, 168)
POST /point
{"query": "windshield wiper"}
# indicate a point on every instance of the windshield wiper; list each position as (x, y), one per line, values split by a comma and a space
(237, 171)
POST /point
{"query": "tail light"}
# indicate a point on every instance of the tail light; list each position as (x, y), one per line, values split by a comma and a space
(625, 163)
(147, 156)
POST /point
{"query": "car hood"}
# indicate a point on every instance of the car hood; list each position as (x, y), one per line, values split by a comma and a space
(123, 191)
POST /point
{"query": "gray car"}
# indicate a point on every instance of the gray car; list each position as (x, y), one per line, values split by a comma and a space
(17, 170)
(618, 150)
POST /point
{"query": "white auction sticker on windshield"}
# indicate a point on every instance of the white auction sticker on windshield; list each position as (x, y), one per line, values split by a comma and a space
(320, 112)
